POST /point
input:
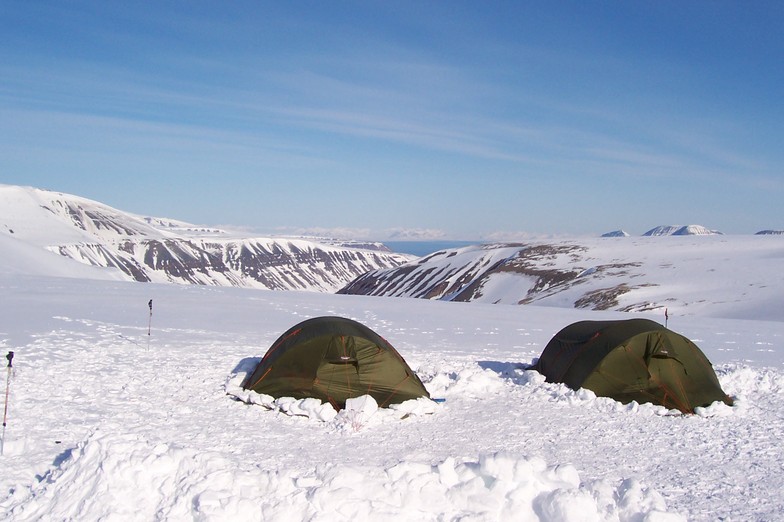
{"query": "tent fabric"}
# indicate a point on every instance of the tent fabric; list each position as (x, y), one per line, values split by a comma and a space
(334, 359)
(632, 360)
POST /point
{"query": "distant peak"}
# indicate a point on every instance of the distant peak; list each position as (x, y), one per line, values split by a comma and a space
(680, 230)
(616, 233)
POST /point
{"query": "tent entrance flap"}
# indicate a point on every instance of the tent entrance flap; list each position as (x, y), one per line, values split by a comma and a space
(340, 350)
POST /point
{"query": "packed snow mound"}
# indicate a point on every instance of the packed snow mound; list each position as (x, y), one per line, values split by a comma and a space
(475, 382)
(359, 413)
(125, 477)
(678, 230)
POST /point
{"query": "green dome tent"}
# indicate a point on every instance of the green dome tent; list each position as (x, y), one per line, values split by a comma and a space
(334, 359)
(632, 360)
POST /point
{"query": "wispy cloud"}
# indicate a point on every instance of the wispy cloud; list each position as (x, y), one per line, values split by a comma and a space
(408, 101)
(326, 232)
(414, 234)
(505, 236)
(385, 234)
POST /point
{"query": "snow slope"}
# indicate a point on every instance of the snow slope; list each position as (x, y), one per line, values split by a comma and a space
(106, 422)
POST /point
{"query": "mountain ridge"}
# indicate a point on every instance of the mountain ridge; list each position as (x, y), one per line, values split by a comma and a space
(148, 249)
(685, 274)
(51, 233)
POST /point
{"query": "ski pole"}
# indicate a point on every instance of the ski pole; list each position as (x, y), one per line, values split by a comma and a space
(10, 358)
(149, 324)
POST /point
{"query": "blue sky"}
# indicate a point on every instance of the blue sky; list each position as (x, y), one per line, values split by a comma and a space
(378, 120)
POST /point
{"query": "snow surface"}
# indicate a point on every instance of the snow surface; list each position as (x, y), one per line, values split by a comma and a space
(106, 422)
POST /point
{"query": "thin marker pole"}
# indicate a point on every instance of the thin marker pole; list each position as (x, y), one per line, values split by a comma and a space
(149, 325)
(10, 358)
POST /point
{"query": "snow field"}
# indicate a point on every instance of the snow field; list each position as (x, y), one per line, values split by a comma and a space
(109, 423)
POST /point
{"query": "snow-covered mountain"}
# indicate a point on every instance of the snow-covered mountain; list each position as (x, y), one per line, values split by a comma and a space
(679, 230)
(163, 250)
(689, 275)
(616, 233)
(685, 273)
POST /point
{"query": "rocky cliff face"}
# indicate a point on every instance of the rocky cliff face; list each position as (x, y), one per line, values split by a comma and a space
(274, 264)
(498, 273)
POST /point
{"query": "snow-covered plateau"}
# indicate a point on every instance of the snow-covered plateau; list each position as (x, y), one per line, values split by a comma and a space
(119, 411)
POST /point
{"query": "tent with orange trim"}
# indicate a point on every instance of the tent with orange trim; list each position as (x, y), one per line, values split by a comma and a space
(334, 359)
(632, 360)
